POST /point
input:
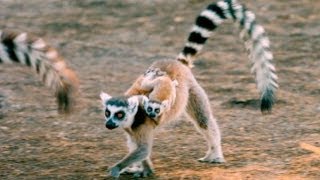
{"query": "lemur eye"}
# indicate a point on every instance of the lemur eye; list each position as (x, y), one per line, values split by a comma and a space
(119, 115)
(107, 113)
(157, 110)
(149, 109)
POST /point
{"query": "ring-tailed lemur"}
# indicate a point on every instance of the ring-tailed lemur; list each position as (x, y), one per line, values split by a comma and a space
(45, 60)
(127, 112)
(163, 93)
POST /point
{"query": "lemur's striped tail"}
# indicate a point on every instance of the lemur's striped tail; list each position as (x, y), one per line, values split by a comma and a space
(257, 43)
(45, 60)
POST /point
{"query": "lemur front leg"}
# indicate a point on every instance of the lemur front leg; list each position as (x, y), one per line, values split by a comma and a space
(135, 167)
(147, 168)
(135, 156)
(140, 145)
(139, 169)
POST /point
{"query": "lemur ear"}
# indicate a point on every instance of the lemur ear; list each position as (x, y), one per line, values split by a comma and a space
(143, 99)
(165, 103)
(133, 102)
(104, 97)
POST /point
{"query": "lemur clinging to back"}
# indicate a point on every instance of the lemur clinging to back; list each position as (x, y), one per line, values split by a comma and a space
(127, 112)
(34, 52)
(163, 92)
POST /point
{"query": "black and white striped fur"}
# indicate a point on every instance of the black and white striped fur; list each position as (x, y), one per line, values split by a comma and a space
(45, 60)
(257, 43)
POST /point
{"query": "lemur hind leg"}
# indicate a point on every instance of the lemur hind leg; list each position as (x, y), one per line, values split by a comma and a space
(199, 111)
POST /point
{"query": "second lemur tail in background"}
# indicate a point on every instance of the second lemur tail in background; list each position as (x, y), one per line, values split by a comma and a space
(256, 42)
(45, 60)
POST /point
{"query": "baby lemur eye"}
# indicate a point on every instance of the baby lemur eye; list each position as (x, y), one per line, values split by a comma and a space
(149, 109)
(119, 115)
(107, 113)
(157, 110)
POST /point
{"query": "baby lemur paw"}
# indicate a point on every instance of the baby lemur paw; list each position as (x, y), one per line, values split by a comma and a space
(114, 171)
(158, 72)
(175, 83)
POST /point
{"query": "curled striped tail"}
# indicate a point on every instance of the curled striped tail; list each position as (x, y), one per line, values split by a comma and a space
(45, 60)
(257, 44)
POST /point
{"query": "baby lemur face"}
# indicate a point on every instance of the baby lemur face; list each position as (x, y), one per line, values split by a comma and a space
(154, 108)
(119, 111)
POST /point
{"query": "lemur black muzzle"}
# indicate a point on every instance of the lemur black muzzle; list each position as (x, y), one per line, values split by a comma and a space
(111, 125)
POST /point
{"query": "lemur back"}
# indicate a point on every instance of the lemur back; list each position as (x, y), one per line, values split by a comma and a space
(45, 60)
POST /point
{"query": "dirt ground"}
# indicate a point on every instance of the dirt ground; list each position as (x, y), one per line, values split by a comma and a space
(109, 43)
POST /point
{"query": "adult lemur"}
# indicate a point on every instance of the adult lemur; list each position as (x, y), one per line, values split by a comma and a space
(128, 113)
(45, 60)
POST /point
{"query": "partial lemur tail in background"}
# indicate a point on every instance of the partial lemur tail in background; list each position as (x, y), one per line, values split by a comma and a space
(45, 60)
(257, 43)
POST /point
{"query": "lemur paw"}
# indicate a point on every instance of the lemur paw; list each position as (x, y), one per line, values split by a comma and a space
(175, 82)
(159, 72)
(115, 171)
(154, 72)
(144, 173)
(217, 160)
(132, 170)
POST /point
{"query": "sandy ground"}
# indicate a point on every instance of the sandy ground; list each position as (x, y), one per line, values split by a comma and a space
(109, 43)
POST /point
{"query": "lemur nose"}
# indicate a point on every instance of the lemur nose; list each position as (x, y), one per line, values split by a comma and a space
(110, 125)
(152, 115)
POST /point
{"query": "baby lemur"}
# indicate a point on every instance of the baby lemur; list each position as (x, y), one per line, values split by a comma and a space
(163, 92)
(128, 111)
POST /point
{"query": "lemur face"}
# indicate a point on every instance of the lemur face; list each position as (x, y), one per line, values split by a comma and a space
(154, 108)
(119, 111)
